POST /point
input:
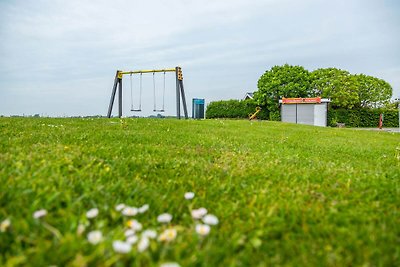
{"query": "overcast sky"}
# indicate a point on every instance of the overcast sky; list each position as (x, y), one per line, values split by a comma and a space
(59, 57)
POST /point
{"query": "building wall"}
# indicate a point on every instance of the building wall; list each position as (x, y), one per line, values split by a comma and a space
(310, 114)
(288, 113)
(320, 114)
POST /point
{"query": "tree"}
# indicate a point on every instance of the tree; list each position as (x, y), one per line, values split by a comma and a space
(282, 81)
(373, 92)
(338, 85)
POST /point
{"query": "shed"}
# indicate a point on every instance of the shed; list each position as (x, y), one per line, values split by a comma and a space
(311, 111)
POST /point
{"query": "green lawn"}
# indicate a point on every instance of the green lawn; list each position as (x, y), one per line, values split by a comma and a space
(285, 195)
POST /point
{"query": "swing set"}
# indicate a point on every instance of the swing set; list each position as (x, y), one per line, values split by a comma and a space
(180, 92)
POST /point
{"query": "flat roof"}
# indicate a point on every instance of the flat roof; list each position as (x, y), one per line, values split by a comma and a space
(304, 100)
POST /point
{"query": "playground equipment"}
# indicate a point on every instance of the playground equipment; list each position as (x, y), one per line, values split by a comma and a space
(180, 92)
(254, 115)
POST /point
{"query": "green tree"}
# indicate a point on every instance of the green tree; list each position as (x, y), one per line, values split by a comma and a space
(373, 92)
(282, 81)
(338, 85)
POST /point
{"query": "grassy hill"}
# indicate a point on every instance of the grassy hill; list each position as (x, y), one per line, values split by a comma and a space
(284, 194)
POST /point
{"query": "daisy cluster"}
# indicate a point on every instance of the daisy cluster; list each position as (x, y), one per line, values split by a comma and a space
(136, 236)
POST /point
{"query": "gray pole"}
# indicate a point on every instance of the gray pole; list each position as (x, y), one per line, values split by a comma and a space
(120, 98)
(178, 100)
(112, 96)
(183, 100)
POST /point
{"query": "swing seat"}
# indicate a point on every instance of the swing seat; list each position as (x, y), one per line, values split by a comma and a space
(158, 110)
(135, 109)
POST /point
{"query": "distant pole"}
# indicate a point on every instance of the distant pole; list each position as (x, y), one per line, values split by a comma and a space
(120, 99)
(380, 121)
(178, 97)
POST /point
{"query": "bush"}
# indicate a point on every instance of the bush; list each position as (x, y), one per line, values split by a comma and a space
(233, 109)
(363, 117)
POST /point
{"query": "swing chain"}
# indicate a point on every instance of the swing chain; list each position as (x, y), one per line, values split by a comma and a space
(140, 94)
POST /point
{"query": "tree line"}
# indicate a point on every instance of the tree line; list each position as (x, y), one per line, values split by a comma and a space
(346, 90)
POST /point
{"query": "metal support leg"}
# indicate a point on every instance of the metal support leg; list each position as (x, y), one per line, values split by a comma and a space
(178, 100)
(183, 99)
(120, 99)
(114, 90)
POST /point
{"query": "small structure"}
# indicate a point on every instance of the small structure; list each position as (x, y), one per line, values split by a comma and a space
(311, 111)
(248, 96)
(198, 108)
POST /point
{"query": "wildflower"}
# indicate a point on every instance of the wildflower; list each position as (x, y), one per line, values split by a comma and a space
(203, 229)
(143, 208)
(134, 225)
(189, 195)
(210, 219)
(92, 213)
(199, 213)
(168, 235)
(144, 243)
(164, 218)
(5, 225)
(39, 213)
(129, 211)
(170, 264)
(132, 239)
(129, 232)
(120, 207)
(121, 246)
(81, 228)
(94, 237)
(149, 234)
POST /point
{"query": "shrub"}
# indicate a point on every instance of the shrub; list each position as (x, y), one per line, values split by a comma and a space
(233, 109)
(363, 117)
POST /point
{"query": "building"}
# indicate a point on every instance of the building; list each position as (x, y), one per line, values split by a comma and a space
(311, 111)
(248, 96)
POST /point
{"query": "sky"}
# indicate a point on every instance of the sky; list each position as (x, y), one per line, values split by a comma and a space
(59, 58)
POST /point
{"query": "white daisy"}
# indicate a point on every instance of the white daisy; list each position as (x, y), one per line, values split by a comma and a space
(164, 218)
(39, 213)
(203, 229)
(134, 225)
(121, 246)
(143, 208)
(170, 264)
(149, 234)
(5, 225)
(199, 213)
(120, 207)
(81, 228)
(210, 219)
(132, 239)
(129, 211)
(144, 243)
(167, 235)
(129, 232)
(189, 195)
(94, 237)
(92, 213)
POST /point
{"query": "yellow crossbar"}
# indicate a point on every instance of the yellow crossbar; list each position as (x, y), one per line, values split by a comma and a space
(146, 71)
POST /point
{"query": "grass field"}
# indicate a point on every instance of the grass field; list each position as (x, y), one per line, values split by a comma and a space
(284, 195)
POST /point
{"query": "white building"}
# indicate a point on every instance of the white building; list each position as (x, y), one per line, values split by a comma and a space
(311, 111)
